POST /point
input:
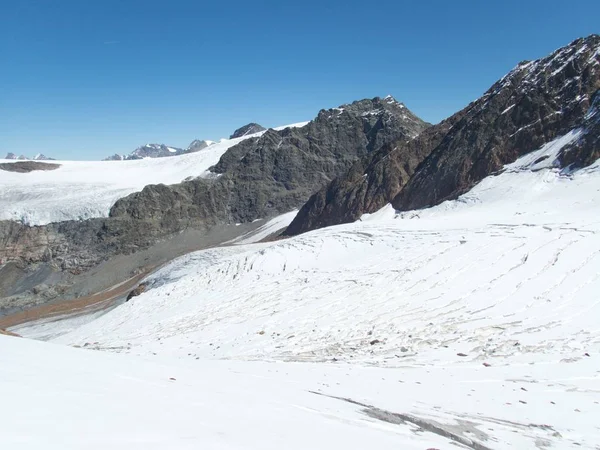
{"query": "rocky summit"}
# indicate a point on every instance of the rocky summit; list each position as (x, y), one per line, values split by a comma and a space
(529, 107)
(250, 128)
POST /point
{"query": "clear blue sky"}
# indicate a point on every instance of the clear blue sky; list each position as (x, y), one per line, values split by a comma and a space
(84, 79)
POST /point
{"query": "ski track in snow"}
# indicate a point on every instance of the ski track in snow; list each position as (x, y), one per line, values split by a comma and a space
(81, 190)
(475, 322)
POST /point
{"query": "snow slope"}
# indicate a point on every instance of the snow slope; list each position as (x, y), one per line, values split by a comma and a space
(86, 189)
(476, 320)
(62, 398)
(274, 225)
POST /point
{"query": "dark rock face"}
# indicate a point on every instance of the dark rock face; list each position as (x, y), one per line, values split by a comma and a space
(250, 128)
(272, 174)
(27, 166)
(140, 289)
(533, 104)
(368, 185)
(586, 150)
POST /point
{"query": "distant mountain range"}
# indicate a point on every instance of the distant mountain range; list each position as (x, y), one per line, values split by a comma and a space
(163, 151)
(38, 157)
(157, 150)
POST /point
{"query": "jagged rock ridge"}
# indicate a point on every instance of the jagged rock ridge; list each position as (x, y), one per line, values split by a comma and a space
(276, 172)
(533, 104)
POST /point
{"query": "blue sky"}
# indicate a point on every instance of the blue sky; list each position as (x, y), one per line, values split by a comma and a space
(85, 79)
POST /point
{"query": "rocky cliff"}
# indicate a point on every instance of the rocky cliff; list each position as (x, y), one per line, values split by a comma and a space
(533, 104)
(279, 170)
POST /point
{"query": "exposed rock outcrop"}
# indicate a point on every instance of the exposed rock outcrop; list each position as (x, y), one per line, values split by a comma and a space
(140, 289)
(27, 166)
(272, 174)
(250, 128)
(530, 106)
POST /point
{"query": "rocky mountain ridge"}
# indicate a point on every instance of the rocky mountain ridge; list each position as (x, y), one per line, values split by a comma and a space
(163, 151)
(274, 173)
(530, 106)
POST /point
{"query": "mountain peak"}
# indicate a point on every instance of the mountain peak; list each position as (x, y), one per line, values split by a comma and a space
(196, 145)
(376, 109)
(247, 129)
(11, 155)
(42, 157)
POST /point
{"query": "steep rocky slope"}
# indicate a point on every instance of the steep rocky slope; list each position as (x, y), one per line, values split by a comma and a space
(536, 102)
(279, 170)
(257, 178)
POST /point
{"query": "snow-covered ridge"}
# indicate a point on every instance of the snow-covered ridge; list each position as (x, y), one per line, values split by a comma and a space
(85, 189)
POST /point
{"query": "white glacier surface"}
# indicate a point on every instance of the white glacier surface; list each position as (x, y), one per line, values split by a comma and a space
(473, 324)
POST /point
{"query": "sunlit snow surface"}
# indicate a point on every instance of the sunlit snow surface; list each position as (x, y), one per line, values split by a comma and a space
(476, 320)
(86, 189)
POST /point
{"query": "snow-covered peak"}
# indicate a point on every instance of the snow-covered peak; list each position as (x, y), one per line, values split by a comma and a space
(41, 157)
(196, 145)
(390, 100)
(149, 151)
